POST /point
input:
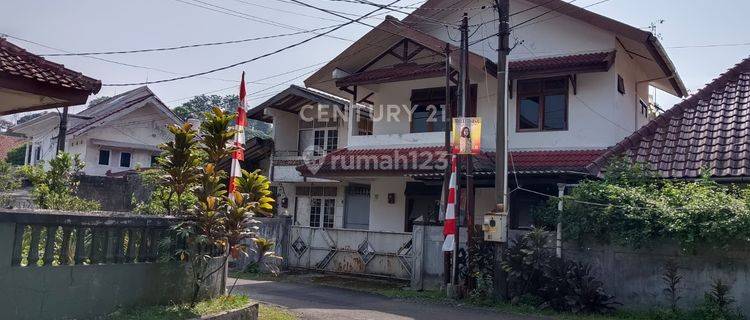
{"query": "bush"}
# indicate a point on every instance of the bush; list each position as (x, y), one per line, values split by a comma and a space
(535, 274)
(56, 187)
(631, 207)
(10, 179)
(16, 155)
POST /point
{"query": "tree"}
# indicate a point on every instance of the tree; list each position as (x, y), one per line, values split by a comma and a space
(199, 105)
(98, 100)
(16, 155)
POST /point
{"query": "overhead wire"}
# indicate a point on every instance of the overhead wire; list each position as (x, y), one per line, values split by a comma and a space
(242, 15)
(296, 44)
(196, 45)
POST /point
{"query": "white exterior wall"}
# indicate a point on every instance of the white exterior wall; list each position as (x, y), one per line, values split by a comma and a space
(145, 126)
(385, 216)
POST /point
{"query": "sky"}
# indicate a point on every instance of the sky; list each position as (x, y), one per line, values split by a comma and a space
(102, 25)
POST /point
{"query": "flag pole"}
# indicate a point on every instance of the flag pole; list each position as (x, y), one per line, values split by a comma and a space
(239, 140)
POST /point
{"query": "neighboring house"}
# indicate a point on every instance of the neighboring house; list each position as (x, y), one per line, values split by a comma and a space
(119, 134)
(8, 143)
(29, 82)
(708, 131)
(578, 85)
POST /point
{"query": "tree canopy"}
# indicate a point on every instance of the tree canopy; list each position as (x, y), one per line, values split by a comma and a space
(199, 105)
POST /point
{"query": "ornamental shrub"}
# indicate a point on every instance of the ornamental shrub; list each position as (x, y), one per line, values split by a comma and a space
(632, 207)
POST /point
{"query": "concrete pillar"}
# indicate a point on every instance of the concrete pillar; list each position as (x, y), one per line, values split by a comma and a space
(27, 154)
(417, 249)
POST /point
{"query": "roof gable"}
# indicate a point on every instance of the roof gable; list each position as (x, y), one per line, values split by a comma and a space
(119, 106)
(711, 130)
(642, 45)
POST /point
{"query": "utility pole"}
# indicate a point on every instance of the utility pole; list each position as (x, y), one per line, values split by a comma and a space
(62, 131)
(501, 148)
(463, 79)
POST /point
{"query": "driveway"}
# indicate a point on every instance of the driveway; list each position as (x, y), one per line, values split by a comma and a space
(318, 302)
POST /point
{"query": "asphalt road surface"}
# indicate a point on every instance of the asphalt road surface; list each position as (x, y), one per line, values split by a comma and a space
(318, 302)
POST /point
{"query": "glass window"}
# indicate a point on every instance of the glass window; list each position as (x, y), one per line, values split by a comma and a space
(332, 140)
(542, 104)
(104, 157)
(528, 113)
(154, 161)
(330, 205)
(554, 112)
(125, 159)
(315, 210)
(427, 118)
(38, 153)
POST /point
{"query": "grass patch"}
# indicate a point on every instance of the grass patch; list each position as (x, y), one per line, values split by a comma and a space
(270, 312)
(182, 311)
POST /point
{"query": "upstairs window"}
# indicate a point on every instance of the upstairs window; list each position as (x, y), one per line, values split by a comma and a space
(125, 159)
(428, 107)
(323, 140)
(542, 105)
(104, 157)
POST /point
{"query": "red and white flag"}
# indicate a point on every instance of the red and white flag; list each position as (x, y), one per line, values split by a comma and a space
(239, 139)
(449, 225)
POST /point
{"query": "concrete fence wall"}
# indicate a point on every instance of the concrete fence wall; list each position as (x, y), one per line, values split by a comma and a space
(634, 277)
(113, 193)
(57, 265)
(275, 229)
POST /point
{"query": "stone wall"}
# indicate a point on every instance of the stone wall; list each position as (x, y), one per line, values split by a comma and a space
(67, 280)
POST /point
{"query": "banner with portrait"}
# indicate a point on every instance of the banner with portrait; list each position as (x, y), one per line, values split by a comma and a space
(467, 135)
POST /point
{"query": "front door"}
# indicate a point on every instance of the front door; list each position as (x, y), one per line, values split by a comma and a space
(357, 211)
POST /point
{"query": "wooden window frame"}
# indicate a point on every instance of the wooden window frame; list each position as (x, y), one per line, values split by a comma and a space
(541, 93)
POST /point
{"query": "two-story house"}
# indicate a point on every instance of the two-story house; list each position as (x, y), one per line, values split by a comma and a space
(579, 83)
(118, 134)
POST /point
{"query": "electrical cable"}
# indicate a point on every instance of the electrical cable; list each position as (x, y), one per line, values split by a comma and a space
(248, 60)
(206, 44)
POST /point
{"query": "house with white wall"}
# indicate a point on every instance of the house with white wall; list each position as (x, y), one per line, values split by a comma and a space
(113, 136)
(579, 83)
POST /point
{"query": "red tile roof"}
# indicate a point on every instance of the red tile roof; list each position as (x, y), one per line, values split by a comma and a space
(430, 160)
(8, 143)
(576, 62)
(16, 61)
(710, 130)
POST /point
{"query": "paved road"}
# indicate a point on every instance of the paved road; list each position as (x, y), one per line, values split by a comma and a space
(316, 302)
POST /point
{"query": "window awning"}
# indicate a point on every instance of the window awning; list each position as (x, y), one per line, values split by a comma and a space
(124, 145)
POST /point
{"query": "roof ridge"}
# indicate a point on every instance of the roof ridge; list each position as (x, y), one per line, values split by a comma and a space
(732, 74)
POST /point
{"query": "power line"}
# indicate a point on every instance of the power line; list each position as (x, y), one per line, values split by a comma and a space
(248, 60)
(91, 53)
(286, 11)
(110, 61)
(713, 45)
(242, 15)
(531, 21)
(427, 19)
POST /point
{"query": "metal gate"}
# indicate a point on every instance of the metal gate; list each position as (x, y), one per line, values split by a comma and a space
(363, 252)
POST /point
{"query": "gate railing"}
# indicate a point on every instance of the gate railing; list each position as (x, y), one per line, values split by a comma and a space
(363, 252)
